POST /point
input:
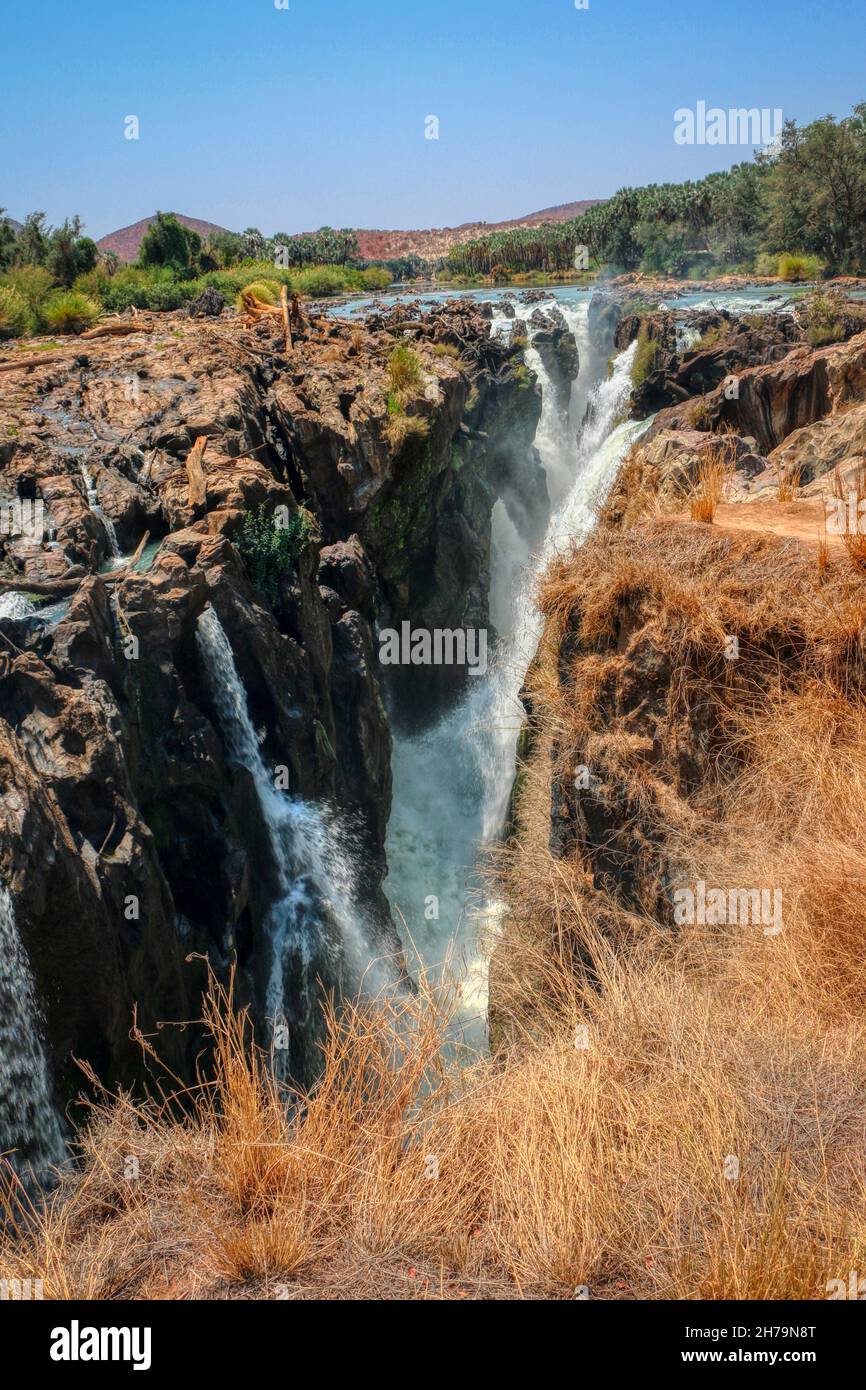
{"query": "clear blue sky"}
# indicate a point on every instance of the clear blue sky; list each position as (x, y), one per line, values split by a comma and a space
(290, 119)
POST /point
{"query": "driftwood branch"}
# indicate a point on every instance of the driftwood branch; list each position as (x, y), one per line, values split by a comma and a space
(197, 495)
(56, 588)
(284, 307)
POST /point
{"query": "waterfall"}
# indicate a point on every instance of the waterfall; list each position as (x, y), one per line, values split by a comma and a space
(312, 924)
(28, 1120)
(600, 450)
(106, 521)
(452, 783)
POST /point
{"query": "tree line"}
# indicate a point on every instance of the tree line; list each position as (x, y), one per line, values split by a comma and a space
(804, 199)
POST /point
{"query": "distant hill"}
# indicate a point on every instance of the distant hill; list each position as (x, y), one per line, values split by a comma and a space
(437, 241)
(429, 243)
(125, 242)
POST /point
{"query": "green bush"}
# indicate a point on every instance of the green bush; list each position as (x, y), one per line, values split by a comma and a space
(319, 281)
(644, 358)
(765, 264)
(33, 282)
(373, 278)
(70, 312)
(265, 290)
(94, 283)
(15, 316)
(269, 550)
(799, 267)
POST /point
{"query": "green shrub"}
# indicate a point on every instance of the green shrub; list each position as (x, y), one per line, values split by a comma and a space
(799, 267)
(265, 290)
(404, 369)
(70, 312)
(15, 316)
(321, 280)
(446, 350)
(262, 270)
(765, 264)
(644, 358)
(269, 549)
(93, 283)
(33, 282)
(374, 278)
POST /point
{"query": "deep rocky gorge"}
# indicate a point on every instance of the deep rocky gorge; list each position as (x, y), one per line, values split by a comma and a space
(132, 841)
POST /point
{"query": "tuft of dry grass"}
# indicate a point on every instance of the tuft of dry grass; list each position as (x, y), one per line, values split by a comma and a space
(708, 488)
(403, 430)
(789, 484)
(853, 537)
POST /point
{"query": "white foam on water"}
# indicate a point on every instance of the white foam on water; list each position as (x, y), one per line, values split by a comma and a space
(452, 783)
(28, 1119)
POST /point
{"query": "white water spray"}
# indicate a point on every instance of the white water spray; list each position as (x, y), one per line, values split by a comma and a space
(312, 924)
(28, 1120)
(453, 782)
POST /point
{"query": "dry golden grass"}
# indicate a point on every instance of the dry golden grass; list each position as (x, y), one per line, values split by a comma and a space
(853, 538)
(709, 486)
(789, 484)
(631, 1062)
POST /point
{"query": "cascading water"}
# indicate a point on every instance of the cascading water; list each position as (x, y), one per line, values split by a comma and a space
(106, 521)
(28, 1120)
(312, 924)
(452, 783)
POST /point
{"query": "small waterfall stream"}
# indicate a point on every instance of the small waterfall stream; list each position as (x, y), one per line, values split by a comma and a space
(106, 521)
(313, 922)
(28, 1120)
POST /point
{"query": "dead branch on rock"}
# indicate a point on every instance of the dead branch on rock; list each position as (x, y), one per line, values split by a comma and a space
(57, 588)
(197, 494)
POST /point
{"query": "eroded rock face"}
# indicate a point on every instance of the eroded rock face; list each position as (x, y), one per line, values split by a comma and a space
(557, 347)
(808, 384)
(130, 837)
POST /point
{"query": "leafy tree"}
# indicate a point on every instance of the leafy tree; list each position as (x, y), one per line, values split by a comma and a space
(167, 242)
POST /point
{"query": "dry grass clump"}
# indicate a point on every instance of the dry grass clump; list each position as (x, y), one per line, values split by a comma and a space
(402, 430)
(789, 484)
(708, 488)
(850, 499)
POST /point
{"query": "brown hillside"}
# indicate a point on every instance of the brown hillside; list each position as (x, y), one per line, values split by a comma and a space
(126, 241)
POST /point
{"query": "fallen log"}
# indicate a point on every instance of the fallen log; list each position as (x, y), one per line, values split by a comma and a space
(44, 588)
(34, 359)
(56, 588)
(284, 306)
(116, 330)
